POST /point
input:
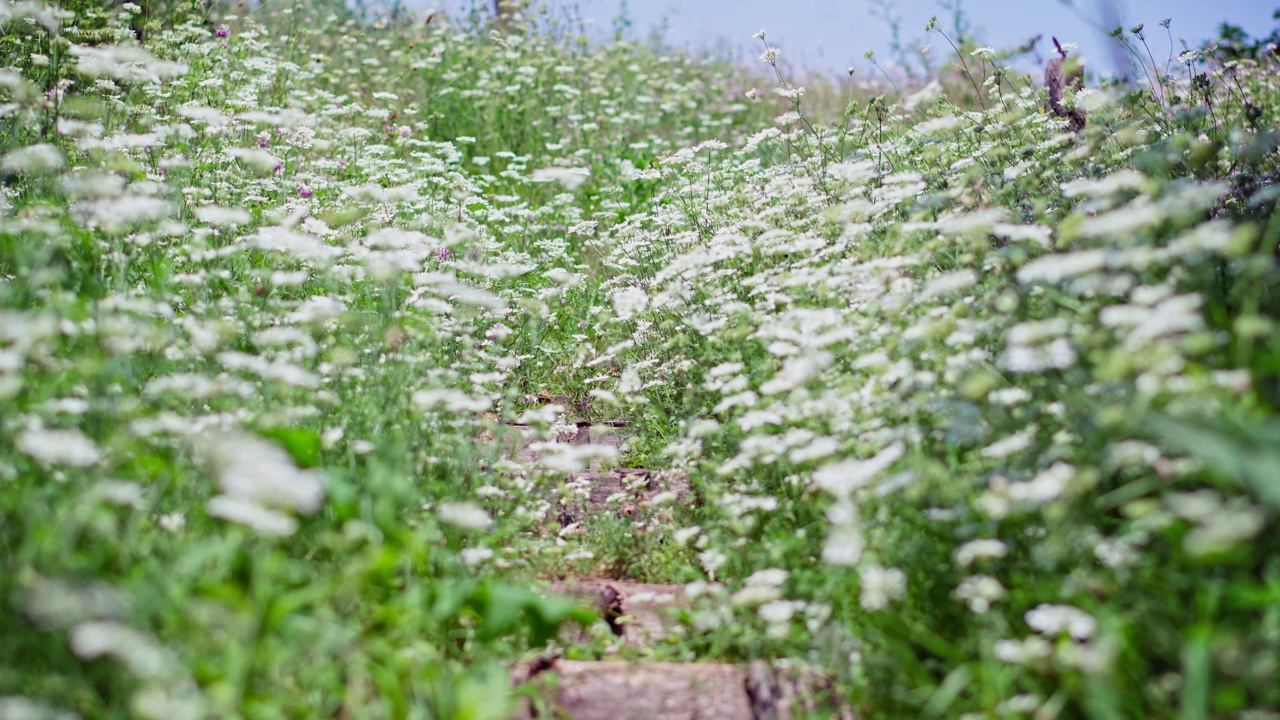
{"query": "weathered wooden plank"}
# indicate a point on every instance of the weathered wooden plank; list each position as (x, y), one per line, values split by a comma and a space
(640, 613)
(620, 690)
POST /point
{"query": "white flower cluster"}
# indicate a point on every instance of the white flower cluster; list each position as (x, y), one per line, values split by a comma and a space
(259, 484)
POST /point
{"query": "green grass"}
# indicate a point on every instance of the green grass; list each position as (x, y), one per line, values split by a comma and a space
(979, 414)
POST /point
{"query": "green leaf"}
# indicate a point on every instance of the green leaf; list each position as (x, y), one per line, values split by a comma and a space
(1101, 699)
(290, 602)
(1249, 456)
(1197, 670)
(500, 607)
(546, 615)
(301, 443)
(450, 597)
(485, 694)
(344, 498)
(952, 685)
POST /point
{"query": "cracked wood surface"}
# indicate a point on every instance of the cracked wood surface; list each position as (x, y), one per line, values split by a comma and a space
(640, 613)
(620, 690)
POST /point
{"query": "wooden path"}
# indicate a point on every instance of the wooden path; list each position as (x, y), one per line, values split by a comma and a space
(641, 615)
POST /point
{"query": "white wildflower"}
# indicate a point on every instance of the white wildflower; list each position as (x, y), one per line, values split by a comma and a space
(259, 471)
(17, 707)
(277, 370)
(685, 534)
(1219, 526)
(777, 612)
(856, 172)
(465, 515)
(315, 309)
(58, 447)
(881, 586)
(940, 125)
(970, 222)
(450, 400)
(1033, 332)
(1010, 445)
(770, 577)
(630, 384)
(219, 216)
(1008, 396)
(711, 560)
(1091, 100)
(301, 246)
(120, 493)
(126, 63)
(816, 449)
(1057, 355)
(1017, 652)
(705, 427)
(1047, 486)
(1214, 236)
(39, 159)
(1125, 221)
(844, 546)
(172, 522)
(92, 184)
(795, 372)
(139, 653)
(923, 96)
(1055, 620)
(977, 549)
(762, 586)
(570, 178)
(1057, 267)
(261, 520)
(39, 13)
(206, 115)
(1117, 182)
(979, 593)
(118, 214)
(948, 284)
(628, 302)
(55, 604)
(1037, 234)
(756, 418)
(845, 477)
(474, 556)
(1018, 705)
(562, 457)
(254, 158)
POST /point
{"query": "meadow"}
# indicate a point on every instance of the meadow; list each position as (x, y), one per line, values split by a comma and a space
(975, 403)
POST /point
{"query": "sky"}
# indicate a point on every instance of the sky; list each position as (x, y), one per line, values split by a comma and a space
(831, 35)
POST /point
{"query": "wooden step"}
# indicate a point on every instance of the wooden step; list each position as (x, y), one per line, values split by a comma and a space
(625, 492)
(621, 690)
(525, 445)
(640, 613)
